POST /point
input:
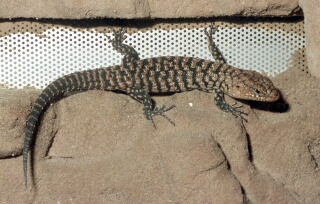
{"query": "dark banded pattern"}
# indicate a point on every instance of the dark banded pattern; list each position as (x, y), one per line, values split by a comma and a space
(172, 74)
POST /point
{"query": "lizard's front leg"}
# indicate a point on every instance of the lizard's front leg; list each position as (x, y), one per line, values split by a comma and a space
(224, 106)
(142, 96)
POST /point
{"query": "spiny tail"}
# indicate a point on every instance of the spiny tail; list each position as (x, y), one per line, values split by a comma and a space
(85, 80)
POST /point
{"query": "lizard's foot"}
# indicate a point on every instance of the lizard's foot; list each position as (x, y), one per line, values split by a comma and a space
(119, 36)
(212, 30)
(130, 54)
(238, 113)
(161, 111)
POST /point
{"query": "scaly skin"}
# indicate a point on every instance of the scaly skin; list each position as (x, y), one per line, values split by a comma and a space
(167, 74)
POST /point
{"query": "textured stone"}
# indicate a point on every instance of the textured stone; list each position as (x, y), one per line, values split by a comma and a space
(14, 109)
(129, 9)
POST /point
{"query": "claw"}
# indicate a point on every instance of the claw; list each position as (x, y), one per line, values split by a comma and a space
(161, 111)
(238, 113)
(244, 119)
(171, 107)
(237, 107)
(119, 36)
(241, 114)
(212, 30)
(109, 38)
(166, 117)
(154, 124)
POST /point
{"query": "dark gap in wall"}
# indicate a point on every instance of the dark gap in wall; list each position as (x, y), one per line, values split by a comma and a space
(141, 23)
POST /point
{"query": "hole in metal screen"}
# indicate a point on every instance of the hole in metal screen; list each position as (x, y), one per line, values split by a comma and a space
(33, 54)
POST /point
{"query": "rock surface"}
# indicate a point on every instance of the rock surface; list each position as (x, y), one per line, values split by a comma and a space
(14, 109)
(78, 9)
(97, 147)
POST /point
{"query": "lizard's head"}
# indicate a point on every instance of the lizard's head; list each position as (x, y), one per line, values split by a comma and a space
(251, 85)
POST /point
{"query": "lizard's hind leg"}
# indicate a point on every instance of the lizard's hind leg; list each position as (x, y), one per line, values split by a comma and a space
(130, 54)
(214, 50)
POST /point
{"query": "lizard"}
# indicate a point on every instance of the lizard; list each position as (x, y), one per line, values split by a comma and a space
(141, 77)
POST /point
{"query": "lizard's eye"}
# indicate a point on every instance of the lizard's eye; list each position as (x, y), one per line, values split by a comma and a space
(257, 92)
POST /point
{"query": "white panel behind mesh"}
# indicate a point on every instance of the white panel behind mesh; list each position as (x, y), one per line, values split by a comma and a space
(33, 59)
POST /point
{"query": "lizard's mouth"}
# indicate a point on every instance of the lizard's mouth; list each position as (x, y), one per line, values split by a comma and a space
(273, 96)
(254, 95)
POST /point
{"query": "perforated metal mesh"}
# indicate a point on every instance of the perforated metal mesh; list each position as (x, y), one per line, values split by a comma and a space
(33, 54)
